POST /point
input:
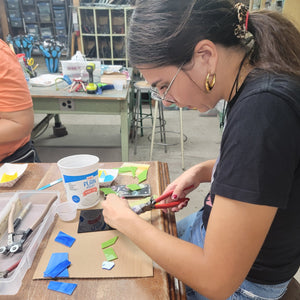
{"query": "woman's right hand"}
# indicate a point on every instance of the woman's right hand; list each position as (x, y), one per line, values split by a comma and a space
(188, 181)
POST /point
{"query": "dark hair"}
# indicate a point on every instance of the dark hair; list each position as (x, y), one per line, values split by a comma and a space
(164, 32)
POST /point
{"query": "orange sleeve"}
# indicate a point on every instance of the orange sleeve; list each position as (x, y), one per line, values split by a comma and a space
(14, 92)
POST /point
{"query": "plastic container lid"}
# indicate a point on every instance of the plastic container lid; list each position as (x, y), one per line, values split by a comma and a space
(66, 210)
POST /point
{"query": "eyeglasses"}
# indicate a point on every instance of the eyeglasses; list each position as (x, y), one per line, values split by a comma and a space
(155, 94)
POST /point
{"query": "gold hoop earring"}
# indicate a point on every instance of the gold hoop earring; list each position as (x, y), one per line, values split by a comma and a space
(209, 85)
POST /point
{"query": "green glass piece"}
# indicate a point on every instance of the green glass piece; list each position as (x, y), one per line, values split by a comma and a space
(128, 169)
(110, 254)
(125, 169)
(107, 191)
(109, 242)
(142, 176)
(134, 187)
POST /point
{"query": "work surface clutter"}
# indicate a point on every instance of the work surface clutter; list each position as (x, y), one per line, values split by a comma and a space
(80, 244)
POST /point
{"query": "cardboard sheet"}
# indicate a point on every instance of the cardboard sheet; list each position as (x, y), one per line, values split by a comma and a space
(109, 79)
(86, 255)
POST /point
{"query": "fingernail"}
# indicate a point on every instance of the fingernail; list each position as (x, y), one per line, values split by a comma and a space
(174, 197)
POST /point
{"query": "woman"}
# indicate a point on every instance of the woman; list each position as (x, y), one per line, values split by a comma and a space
(16, 111)
(245, 242)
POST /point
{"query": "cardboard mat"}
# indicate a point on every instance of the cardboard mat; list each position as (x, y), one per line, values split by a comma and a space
(86, 255)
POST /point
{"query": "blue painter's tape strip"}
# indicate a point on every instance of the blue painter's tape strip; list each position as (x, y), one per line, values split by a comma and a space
(68, 178)
(62, 287)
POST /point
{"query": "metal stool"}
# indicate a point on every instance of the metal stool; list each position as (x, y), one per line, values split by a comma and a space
(138, 116)
(162, 130)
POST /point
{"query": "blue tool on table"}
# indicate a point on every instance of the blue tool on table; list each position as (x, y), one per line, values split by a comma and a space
(50, 184)
(51, 50)
(22, 44)
(103, 86)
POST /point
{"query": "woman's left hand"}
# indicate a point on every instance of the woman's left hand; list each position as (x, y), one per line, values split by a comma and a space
(116, 210)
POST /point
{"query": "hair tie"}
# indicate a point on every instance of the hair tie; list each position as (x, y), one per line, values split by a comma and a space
(246, 22)
(241, 29)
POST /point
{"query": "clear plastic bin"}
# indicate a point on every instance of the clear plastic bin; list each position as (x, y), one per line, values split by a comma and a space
(29, 16)
(44, 8)
(13, 4)
(61, 31)
(76, 69)
(16, 22)
(59, 13)
(39, 201)
(58, 2)
(46, 32)
(14, 14)
(60, 22)
(32, 29)
(45, 18)
(28, 2)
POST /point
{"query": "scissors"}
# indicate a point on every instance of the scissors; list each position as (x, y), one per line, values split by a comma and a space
(154, 203)
(30, 63)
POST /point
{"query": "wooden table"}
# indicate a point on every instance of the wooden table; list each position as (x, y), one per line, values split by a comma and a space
(47, 100)
(160, 286)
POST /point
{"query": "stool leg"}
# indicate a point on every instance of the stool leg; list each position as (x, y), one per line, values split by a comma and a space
(153, 129)
(163, 127)
(132, 121)
(150, 106)
(137, 116)
(141, 115)
(181, 138)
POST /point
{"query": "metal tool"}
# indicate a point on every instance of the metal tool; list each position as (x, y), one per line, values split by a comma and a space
(4, 274)
(17, 246)
(154, 203)
(91, 88)
(10, 231)
(31, 68)
(104, 86)
(51, 50)
(22, 214)
(13, 225)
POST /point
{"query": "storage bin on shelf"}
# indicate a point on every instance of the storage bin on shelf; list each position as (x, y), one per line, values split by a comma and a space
(75, 69)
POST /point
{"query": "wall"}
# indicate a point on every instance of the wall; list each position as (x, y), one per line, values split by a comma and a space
(291, 9)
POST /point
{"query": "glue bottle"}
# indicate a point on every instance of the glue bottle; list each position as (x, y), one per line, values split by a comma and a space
(21, 57)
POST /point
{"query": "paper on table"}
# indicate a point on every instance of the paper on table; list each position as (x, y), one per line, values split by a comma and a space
(109, 79)
(87, 256)
(10, 173)
(44, 80)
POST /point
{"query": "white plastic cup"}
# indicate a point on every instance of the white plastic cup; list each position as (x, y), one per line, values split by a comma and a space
(66, 210)
(119, 84)
(81, 180)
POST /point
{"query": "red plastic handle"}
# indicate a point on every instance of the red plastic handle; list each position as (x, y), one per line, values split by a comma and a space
(13, 266)
(170, 204)
(168, 194)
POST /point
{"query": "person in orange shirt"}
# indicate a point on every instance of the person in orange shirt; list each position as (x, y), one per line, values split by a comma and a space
(16, 111)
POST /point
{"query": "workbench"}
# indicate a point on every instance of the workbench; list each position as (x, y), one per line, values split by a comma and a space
(52, 102)
(159, 287)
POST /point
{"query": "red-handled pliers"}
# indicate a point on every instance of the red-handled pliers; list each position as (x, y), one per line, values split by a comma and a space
(5, 273)
(154, 203)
